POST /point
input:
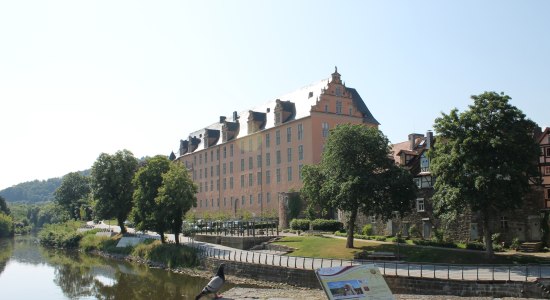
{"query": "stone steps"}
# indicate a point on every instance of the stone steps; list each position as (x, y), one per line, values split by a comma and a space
(530, 247)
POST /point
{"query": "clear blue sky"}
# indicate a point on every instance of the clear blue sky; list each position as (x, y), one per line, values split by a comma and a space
(78, 78)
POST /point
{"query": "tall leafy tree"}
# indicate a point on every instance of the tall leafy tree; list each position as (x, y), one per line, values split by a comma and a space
(146, 213)
(73, 193)
(483, 159)
(112, 185)
(176, 196)
(356, 174)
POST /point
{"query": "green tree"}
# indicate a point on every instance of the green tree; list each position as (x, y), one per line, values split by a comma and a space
(356, 175)
(483, 159)
(4, 206)
(176, 195)
(73, 193)
(146, 213)
(6, 225)
(112, 188)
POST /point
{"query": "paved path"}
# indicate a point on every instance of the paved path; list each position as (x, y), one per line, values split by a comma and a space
(441, 271)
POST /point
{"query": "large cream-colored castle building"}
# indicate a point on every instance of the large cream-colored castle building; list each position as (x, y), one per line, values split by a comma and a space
(249, 161)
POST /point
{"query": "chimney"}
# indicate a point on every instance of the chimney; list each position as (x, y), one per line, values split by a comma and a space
(429, 139)
(222, 119)
(412, 139)
(235, 116)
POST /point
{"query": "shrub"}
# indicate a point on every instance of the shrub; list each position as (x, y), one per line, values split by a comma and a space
(367, 229)
(515, 244)
(496, 238)
(6, 225)
(439, 235)
(169, 254)
(380, 238)
(92, 242)
(60, 235)
(326, 225)
(475, 246)
(435, 243)
(299, 224)
(414, 231)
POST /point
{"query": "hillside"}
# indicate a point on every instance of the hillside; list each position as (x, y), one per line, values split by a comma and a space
(34, 191)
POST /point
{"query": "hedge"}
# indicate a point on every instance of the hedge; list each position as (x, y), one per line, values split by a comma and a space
(326, 225)
(299, 224)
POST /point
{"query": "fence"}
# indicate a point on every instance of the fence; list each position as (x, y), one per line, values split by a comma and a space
(528, 272)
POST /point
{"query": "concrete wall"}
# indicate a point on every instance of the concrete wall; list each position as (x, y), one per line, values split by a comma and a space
(398, 285)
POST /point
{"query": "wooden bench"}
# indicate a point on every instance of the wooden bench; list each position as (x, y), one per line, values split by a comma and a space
(382, 256)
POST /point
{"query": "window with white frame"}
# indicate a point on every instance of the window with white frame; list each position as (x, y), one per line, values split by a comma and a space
(300, 132)
(300, 152)
(338, 107)
(420, 204)
(547, 170)
(277, 137)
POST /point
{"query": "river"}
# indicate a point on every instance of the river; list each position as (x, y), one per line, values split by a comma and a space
(30, 271)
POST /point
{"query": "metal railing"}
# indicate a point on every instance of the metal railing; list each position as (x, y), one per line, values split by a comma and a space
(527, 272)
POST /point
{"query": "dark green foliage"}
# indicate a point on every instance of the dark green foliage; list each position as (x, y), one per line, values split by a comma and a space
(6, 225)
(146, 212)
(294, 205)
(176, 196)
(367, 229)
(60, 235)
(112, 185)
(73, 193)
(4, 206)
(483, 160)
(435, 243)
(172, 255)
(326, 225)
(299, 224)
(475, 246)
(356, 175)
(32, 191)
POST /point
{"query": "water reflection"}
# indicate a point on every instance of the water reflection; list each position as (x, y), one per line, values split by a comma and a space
(81, 276)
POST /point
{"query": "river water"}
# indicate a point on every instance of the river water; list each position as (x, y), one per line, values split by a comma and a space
(30, 271)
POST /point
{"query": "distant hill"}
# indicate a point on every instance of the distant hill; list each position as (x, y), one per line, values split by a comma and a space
(34, 191)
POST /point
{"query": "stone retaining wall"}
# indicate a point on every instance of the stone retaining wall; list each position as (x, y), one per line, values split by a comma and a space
(238, 242)
(397, 284)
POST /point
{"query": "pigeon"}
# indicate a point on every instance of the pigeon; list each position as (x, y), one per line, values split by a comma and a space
(214, 285)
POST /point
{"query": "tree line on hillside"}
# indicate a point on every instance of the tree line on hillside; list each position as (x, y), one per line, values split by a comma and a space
(483, 161)
(35, 191)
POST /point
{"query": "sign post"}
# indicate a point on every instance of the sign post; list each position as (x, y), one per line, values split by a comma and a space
(354, 282)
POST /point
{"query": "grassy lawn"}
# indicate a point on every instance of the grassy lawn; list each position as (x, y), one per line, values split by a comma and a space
(327, 247)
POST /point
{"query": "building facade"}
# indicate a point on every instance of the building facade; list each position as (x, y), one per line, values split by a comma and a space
(523, 223)
(250, 162)
(544, 164)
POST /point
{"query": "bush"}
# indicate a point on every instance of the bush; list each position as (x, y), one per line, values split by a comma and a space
(380, 238)
(496, 238)
(367, 229)
(6, 225)
(169, 254)
(475, 246)
(326, 225)
(515, 244)
(299, 224)
(60, 235)
(415, 232)
(434, 243)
